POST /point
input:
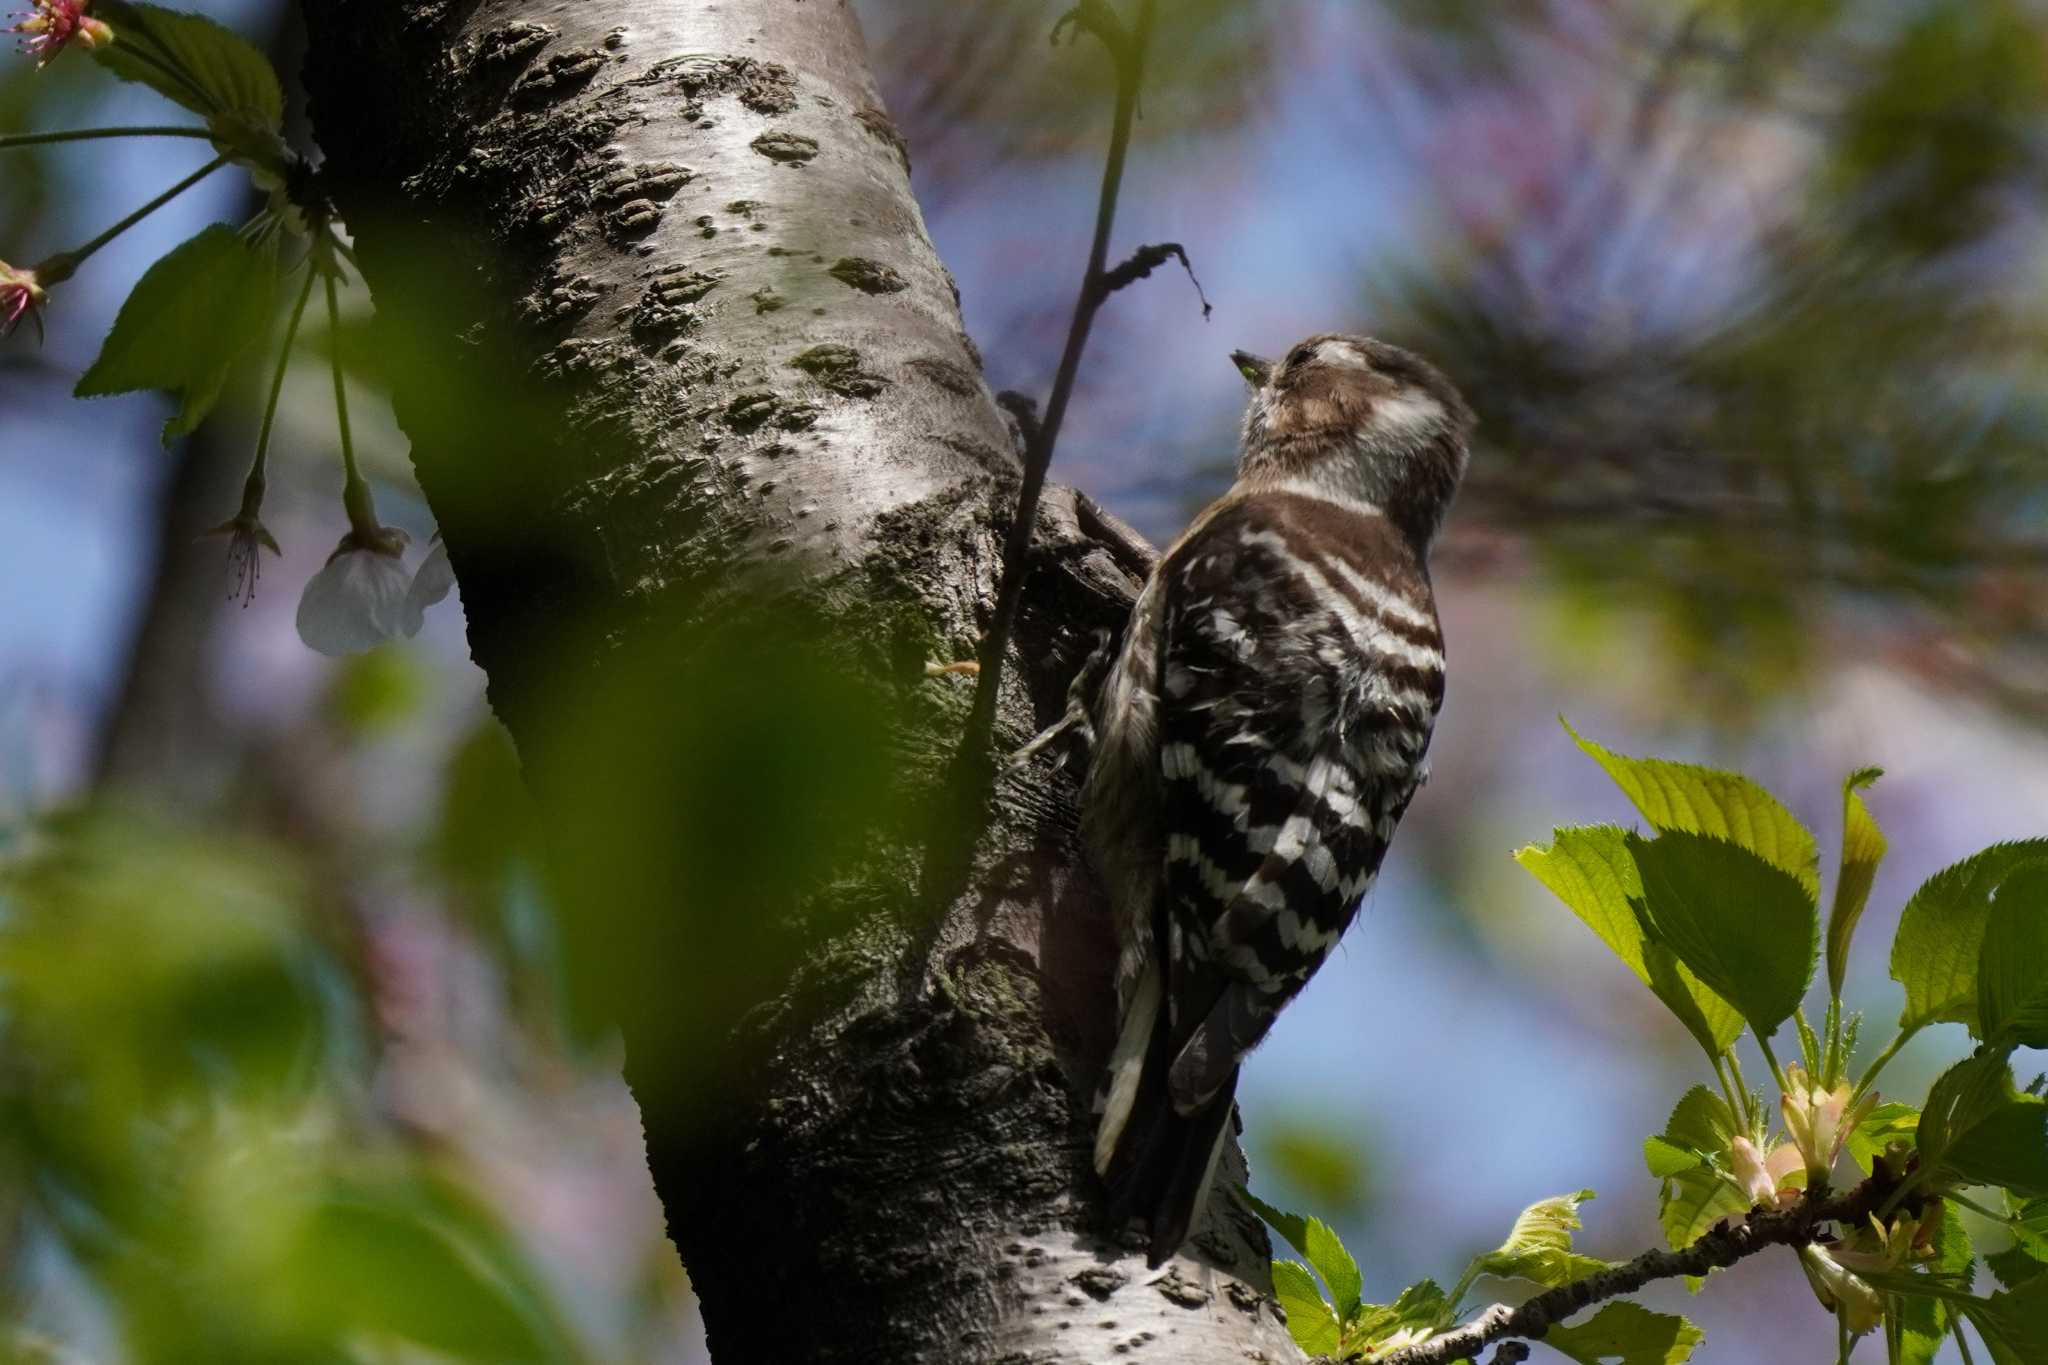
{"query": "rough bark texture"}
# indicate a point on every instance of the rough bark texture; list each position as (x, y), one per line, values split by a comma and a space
(703, 359)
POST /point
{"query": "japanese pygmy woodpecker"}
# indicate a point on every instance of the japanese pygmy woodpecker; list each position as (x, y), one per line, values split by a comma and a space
(1259, 734)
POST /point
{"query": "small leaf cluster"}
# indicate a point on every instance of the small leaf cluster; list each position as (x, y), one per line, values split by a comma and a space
(1716, 909)
(1538, 1250)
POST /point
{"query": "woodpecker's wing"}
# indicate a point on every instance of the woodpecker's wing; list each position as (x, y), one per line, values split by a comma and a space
(1301, 672)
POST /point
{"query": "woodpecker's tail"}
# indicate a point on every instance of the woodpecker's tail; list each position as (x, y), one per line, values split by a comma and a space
(1157, 1161)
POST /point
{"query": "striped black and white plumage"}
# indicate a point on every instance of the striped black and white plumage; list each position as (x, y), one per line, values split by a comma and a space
(1258, 738)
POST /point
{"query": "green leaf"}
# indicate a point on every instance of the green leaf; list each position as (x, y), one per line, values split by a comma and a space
(1978, 1130)
(1590, 870)
(2029, 1225)
(413, 1259)
(193, 61)
(1693, 1201)
(1745, 927)
(1309, 1319)
(2012, 970)
(1698, 1130)
(1421, 1305)
(189, 317)
(2017, 1264)
(1924, 1319)
(1626, 1333)
(2014, 1323)
(1941, 933)
(1862, 849)
(1539, 1247)
(1689, 799)
(1880, 1128)
(1292, 1227)
(1339, 1271)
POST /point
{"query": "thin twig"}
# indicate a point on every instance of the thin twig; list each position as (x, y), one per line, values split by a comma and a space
(1127, 50)
(1797, 1226)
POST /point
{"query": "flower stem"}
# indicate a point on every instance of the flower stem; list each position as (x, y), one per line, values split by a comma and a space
(64, 264)
(253, 486)
(1962, 1345)
(355, 494)
(1777, 1072)
(1878, 1063)
(9, 140)
(1737, 1110)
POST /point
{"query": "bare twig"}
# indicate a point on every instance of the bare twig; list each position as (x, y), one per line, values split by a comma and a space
(1127, 48)
(1799, 1225)
(1147, 259)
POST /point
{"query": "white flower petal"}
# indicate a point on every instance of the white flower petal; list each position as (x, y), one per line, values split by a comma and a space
(429, 585)
(357, 602)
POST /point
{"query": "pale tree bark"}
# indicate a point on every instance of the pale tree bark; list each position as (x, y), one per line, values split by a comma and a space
(708, 369)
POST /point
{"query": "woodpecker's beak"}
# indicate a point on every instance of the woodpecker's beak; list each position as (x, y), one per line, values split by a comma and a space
(1255, 369)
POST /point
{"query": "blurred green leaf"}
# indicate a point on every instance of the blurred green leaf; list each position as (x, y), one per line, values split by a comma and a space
(1689, 799)
(1862, 850)
(377, 691)
(414, 1261)
(193, 61)
(2018, 1263)
(1590, 869)
(1539, 1247)
(1745, 927)
(1941, 935)
(1310, 1320)
(1626, 1333)
(2012, 972)
(190, 316)
(1927, 148)
(1325, 1164)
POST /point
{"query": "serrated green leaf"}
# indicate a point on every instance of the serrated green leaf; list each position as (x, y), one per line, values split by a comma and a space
(2029, 1225)
(1663, 1158)
(1862, 849)
(1421, 1305)
(1539, 1247)
(1339, 1271)
(2012, 970)
(188, 318)
(1590, 870)
(1745, 927)
(1941, 934)
(2014, 1323)
(1693, 1201)
(1977, 1129)
(1310, 1320)
(1292, 1227)
(1626, 1333)
(1690, 799)
(193, 61)
(1699, 1129)
(1880, 1128)
(2015, 1265)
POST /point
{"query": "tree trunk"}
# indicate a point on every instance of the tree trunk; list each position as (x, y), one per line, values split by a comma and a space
(680, 367)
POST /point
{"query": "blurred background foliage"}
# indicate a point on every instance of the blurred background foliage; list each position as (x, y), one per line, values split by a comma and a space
(301, 1056)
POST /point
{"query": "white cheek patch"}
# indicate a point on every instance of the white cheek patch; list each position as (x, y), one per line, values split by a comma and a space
(1342, 353)
(1408, 413)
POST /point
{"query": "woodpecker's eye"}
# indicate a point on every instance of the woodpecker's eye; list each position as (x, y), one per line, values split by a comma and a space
(1300, 356)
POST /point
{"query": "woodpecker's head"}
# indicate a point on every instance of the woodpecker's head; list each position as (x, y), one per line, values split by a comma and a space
(1356, 418)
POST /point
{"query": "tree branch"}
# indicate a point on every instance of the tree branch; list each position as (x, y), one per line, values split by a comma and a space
(1127, 50)
(1717, 1250)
